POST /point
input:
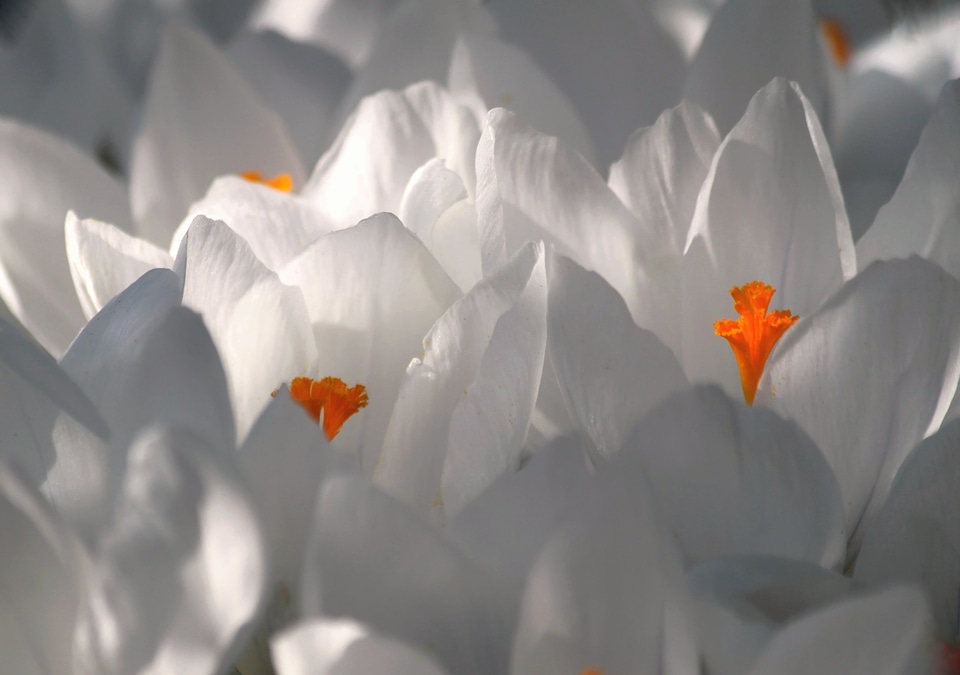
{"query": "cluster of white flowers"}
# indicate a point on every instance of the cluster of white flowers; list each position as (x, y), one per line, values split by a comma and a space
(458, 399)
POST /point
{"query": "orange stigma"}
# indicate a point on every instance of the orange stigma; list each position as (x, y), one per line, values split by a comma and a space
(753, 335)
(837, 41)
(282, 182)
(332, 396)
(591, 671)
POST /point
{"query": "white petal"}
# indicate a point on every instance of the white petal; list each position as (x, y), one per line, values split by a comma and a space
(879, 633)
(731, 480)
(496, 74)
(40, 584)
(42, 178)
(642, 68)
(914, 537)
(181, 571)
(611, 371)
(414, 44)
(104, 260)
(301, 82)
(748, 43)
(432, 189)
(372, 292)
(605, 593)
(770, 210)
(531, 186)
(923, 217)
(370, 558)
(343, 647)
(259, 325)
(276, 225)
(387, 138)
(506, 527)
(870, 374)
(283, 460)
(102, 360)
(201, 120)
(467, 355)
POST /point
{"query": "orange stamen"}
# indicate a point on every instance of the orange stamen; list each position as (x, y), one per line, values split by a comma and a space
(282, 182)
(753, 335)
(837, 41)
(332, 397)
(591, 671)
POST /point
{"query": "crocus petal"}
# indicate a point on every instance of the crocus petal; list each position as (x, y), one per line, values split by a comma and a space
(386, 139)
(42, 178)
(606, 594)
(201, 120)
(879, 633)
(923, 217)
(39, 581)
(611, 371)
(643, 69)
(259, 325)
(506, 527)
(87, 472)
(276, 225)
(495, 74)
(301, 82)
(283, 460)
(531, 186)
(464, 407)
(343, 647)
(372, 291)
(727, 479)
(370, 558)
(104, 260)
(915, 537)
(748, 43)
(770, 210)
(415, 43)
(181, 571)
(870, 374)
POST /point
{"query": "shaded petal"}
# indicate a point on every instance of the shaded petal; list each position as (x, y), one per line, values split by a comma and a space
(770, 210)
(915, 537)
(464, 407)
(923, 216)
(42, 178)
(727, 479)
(104, 260)
(531, 186)
(182, 570)
(259, 325)
(492, 74)
(372, 292)
(385, 140)
(879, 633)
(40, 585)
(870, 374)
(606, 593)
(88, 471)
(611, 371)
(276, 225)
(201, 120)
(643, 69)
(748, 43)
(343, 647)
(371, 559)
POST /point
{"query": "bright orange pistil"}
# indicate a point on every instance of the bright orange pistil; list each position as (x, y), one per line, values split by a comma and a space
(753, 335)
(332, 396)
(282, 182)
(591, 671)
(837, 40)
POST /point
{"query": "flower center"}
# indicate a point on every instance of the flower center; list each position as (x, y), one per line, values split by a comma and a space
(753, 335)
(282, 181)
(332, 397)
(837, 40)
